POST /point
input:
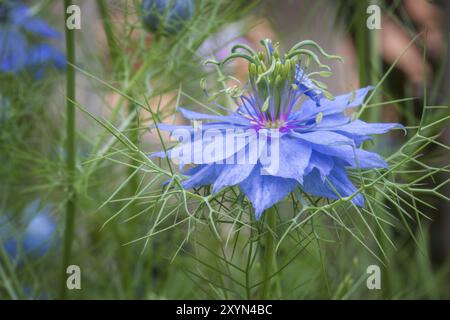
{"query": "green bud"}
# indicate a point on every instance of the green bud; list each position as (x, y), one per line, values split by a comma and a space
(278, 66)
(265, 105)
(253, 70)
(260, 71)
(293, 63)
(260, 56)
(278, 81)
(276, 54)
(287, 67)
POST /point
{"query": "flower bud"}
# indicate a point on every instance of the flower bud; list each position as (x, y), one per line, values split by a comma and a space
(166, 16)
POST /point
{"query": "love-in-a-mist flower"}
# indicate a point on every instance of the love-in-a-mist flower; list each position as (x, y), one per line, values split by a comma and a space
(310, 140)
(166, 16)
(23, 41)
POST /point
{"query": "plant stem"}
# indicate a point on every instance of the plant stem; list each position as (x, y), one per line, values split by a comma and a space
(70, 150)
(374, 114)
(362, 42)
(112, 44)
(268, 262)
(369, 56)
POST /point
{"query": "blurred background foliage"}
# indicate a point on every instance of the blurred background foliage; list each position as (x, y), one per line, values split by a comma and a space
(133, 78)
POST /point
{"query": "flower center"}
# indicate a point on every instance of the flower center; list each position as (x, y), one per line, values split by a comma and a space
(277, 124)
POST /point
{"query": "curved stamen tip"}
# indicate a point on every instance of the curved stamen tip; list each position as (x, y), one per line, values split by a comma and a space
(211, 61)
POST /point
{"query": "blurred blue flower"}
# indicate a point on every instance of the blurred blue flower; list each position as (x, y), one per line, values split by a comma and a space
(37, 237)
(17, 51)
(166, 16)
(317, 142)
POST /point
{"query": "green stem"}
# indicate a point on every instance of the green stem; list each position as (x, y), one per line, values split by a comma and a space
(376, 66)
(369, 59)
(71, 151)
(112, 44)
(362, 42)
(268, 262)
(369, 56)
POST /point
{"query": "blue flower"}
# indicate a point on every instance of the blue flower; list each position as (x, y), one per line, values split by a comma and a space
(17, 51)
(37, 237)
(167, 16)
(317, 142)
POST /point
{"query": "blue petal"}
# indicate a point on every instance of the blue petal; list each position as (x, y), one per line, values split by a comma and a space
(338, 178)
(357, 130)
(338, 105)
(293, 159)
(22, 16)
(159, 154)
(206, 149)
(323, 163)
(13, 50)
(323, 138)
(365, 160)
(333, 120)
(200, 176)
(357, 158)
(231, 175)
(264, 191)
(359, 127)
(356, 138)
